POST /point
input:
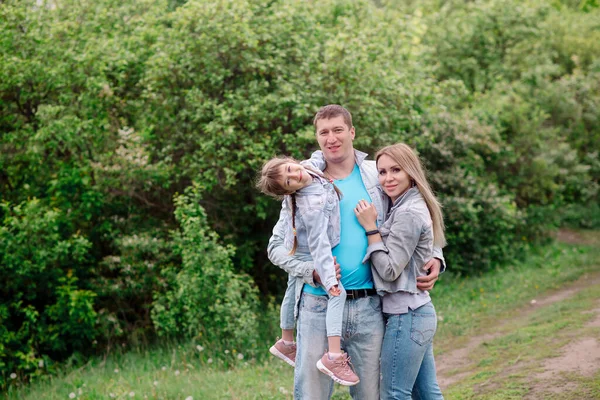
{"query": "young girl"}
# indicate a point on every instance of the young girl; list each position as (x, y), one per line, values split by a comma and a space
(398, 250)
(312, 205)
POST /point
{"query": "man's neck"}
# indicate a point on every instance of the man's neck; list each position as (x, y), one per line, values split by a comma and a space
(340, 170)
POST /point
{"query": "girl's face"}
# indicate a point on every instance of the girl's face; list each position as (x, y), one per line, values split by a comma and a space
(294, 177)
(392, 178)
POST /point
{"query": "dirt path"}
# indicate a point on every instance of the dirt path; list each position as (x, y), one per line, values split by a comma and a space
(580, 357)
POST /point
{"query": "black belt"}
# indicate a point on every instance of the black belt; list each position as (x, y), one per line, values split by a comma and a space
(359, 293)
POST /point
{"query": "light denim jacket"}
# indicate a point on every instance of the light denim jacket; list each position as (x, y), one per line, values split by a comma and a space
(317, 226)
(301, 266)
(407, 245)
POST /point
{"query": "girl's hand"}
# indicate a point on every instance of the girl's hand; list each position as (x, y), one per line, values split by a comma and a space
(335, 291)
(366, 214)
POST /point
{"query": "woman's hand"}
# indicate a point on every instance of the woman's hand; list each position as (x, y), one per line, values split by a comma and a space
(367, 215)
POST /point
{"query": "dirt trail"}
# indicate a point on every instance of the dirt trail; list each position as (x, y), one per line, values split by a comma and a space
(581, 357)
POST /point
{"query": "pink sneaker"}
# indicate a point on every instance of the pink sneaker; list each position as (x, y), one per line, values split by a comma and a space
(287, 352)
(340, 370)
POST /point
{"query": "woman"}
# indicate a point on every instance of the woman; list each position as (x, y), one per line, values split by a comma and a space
(398, 250)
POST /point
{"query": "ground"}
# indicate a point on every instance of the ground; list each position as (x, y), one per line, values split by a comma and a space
(549, 349)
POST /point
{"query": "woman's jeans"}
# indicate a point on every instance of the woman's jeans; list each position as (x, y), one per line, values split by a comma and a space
(407, 365)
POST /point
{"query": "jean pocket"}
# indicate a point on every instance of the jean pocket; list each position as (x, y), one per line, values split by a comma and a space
(423, 327)
(375, 303)
(314, 304)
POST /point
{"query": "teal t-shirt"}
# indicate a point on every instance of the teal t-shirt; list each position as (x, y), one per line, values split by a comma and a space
(353, 241)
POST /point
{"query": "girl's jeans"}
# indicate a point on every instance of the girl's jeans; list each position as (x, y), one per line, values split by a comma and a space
(362, 333)
(335, 309)
(407, 365)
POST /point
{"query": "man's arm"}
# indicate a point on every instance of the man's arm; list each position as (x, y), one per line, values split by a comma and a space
(435, 266)
(279, 255)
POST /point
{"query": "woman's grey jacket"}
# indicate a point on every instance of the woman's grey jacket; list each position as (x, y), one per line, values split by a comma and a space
(407, 245)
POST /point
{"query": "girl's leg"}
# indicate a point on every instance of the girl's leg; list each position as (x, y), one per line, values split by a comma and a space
(285, 348)
(333, 320)
(407, 339)
(286, 314)
(334, 363)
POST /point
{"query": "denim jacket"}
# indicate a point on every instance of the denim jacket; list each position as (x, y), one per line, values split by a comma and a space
(301, 266)
(407, 245)
(317, 226)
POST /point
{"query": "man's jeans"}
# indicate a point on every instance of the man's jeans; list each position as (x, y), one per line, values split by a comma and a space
(407, 365)
(362, 334)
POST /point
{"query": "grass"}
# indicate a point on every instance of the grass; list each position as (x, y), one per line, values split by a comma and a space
(466, 306)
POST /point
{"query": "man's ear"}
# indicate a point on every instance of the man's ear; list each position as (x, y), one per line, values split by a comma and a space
(352, 132)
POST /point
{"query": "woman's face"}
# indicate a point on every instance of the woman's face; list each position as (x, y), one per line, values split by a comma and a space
(294, 177)
(392, 178)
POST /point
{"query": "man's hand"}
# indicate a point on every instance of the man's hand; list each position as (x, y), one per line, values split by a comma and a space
(427, 282)
(338, 274)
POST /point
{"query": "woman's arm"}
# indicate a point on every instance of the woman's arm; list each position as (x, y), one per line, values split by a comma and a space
(391, 259)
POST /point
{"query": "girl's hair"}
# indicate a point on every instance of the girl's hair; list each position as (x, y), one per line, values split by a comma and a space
(269, 182)
(410, 163)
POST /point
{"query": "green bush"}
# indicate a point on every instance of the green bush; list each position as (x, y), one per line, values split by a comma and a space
(44, 312)
(205, 299)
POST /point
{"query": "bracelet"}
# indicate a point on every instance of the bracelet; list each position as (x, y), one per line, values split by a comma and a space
(373, 232)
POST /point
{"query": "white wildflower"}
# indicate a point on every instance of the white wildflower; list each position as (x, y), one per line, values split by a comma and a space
(13, 375)
(116, 370)
(189, 398)
(200, 348)
(155, 383)
(226, 351)
(533, 301)
(282, 390)
(177, 372)
(164, 368)
(80, 392)
(209, 361)
(41, 363)
(240, 356)
(72, 395)
(112, 395)
(131, 394)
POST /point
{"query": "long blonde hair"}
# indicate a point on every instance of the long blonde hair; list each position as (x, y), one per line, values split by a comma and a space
(406, 158)
(269, 182)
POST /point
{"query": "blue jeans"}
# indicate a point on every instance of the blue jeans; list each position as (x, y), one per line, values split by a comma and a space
(407, 364)
(335, 309)
(286, 313)
(362, 333)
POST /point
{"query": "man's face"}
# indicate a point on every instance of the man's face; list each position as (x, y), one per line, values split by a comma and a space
(335, 139)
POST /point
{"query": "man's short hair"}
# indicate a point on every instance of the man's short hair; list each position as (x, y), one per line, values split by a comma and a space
(332, 111)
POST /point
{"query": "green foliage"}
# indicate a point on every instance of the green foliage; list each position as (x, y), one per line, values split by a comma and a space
(108, 109)
(43, 311)
(205, 298)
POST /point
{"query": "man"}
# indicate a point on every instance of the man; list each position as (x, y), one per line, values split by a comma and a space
(363, 325)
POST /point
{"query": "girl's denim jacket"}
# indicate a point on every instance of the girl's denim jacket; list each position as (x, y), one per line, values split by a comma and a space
(317, 225)
(407, 245)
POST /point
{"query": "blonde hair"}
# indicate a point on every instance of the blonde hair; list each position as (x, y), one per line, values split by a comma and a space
(269, 182)
(407, 159)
